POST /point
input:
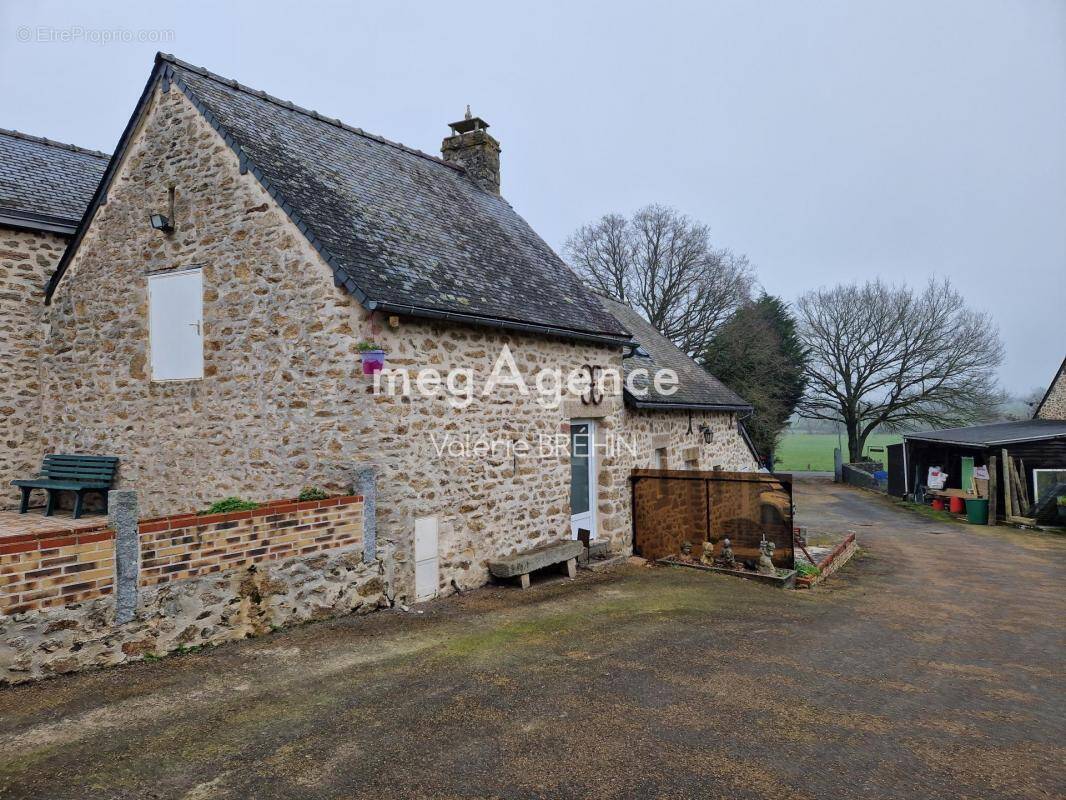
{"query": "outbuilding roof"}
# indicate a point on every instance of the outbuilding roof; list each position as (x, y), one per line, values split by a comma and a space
(404, 232)
(45, 185)
(697, 388)
(996, 434)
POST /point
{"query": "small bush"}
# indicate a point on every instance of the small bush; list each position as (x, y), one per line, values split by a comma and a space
(806, 570)
(312, 493)
(230, 504)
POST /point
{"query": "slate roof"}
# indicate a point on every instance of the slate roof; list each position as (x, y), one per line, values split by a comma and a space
(45, 185)
(697, 388)
(999, 433)
(404, 232)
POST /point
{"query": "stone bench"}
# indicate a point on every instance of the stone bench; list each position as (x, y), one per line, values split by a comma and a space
(521, 564)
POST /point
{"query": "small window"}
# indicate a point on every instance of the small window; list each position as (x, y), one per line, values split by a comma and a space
(175, 325)
(1044, 480)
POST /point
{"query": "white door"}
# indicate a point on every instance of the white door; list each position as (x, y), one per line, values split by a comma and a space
(582, 477)
(426, 572)
(175, 325)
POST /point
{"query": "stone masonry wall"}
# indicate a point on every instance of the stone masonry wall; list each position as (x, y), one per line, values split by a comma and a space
(276, 409)
(283, 404)
(27, 259)
(1054, 406)
(207, 610)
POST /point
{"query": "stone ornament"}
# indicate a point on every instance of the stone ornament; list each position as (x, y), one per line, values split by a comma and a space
(708, 554)
(766, 554)
(727, 554)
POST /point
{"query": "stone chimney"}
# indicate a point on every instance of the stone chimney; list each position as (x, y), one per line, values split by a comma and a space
(471, 147)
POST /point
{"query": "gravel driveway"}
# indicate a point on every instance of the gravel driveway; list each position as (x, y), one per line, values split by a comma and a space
(931, 666)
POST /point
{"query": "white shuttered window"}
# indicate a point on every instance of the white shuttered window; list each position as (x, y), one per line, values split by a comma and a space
(175, 325)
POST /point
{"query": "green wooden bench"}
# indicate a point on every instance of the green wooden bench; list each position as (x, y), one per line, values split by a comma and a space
(70, 473)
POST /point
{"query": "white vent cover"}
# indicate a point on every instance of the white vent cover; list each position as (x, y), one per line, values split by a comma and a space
(426, 569)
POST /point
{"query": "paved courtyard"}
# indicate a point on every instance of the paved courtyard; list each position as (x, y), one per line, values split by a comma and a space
(35, 523)
(931, 666)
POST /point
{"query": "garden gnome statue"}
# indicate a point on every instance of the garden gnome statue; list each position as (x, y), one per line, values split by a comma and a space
(686, 548)
(727, 554)
(766, 554)
(708, 554)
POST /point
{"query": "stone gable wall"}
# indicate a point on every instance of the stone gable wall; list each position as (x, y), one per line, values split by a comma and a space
(1054, 406)
(27, 260)
(283, 404)
(276, 410)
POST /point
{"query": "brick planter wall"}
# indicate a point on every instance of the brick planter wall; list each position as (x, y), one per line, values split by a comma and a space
(188, 545)
(839, 556)
(203, 580)
(43, 570)
(54, 569)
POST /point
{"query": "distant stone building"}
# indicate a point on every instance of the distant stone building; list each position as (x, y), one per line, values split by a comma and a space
(1053, 406)
(44, 189)
(206, 323)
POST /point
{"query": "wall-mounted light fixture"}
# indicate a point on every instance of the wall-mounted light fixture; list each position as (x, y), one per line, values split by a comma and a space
(708, 434)
(165, 222)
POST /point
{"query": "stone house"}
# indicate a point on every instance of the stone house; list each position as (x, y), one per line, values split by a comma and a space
(205, 326)
(1053, 404)
(44, 189)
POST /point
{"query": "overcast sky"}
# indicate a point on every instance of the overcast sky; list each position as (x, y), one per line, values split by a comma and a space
(828, 141)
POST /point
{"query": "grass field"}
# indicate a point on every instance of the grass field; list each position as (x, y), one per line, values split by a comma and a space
(814, 451)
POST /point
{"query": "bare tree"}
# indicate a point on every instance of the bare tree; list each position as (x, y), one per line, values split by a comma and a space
(895, 357)
(663, 264)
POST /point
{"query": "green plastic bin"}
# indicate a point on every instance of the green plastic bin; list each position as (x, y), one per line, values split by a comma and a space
(977, 511)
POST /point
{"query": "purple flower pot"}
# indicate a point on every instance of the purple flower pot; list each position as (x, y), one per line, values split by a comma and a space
(373, 361)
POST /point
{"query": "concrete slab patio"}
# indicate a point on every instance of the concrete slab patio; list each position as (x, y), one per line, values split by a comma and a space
(34, 522)
(931, 667)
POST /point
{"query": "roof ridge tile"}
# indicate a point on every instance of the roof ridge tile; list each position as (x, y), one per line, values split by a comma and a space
(29, 137)
(291, 106)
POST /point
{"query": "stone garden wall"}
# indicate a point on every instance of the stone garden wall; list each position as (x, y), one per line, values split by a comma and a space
(27, 259)
(203, 580)
(861, 474)
(208, 610)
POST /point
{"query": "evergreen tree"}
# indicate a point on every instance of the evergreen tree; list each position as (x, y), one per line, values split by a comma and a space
(759, 355)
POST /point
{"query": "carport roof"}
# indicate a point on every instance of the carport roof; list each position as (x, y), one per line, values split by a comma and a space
(999, 433)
